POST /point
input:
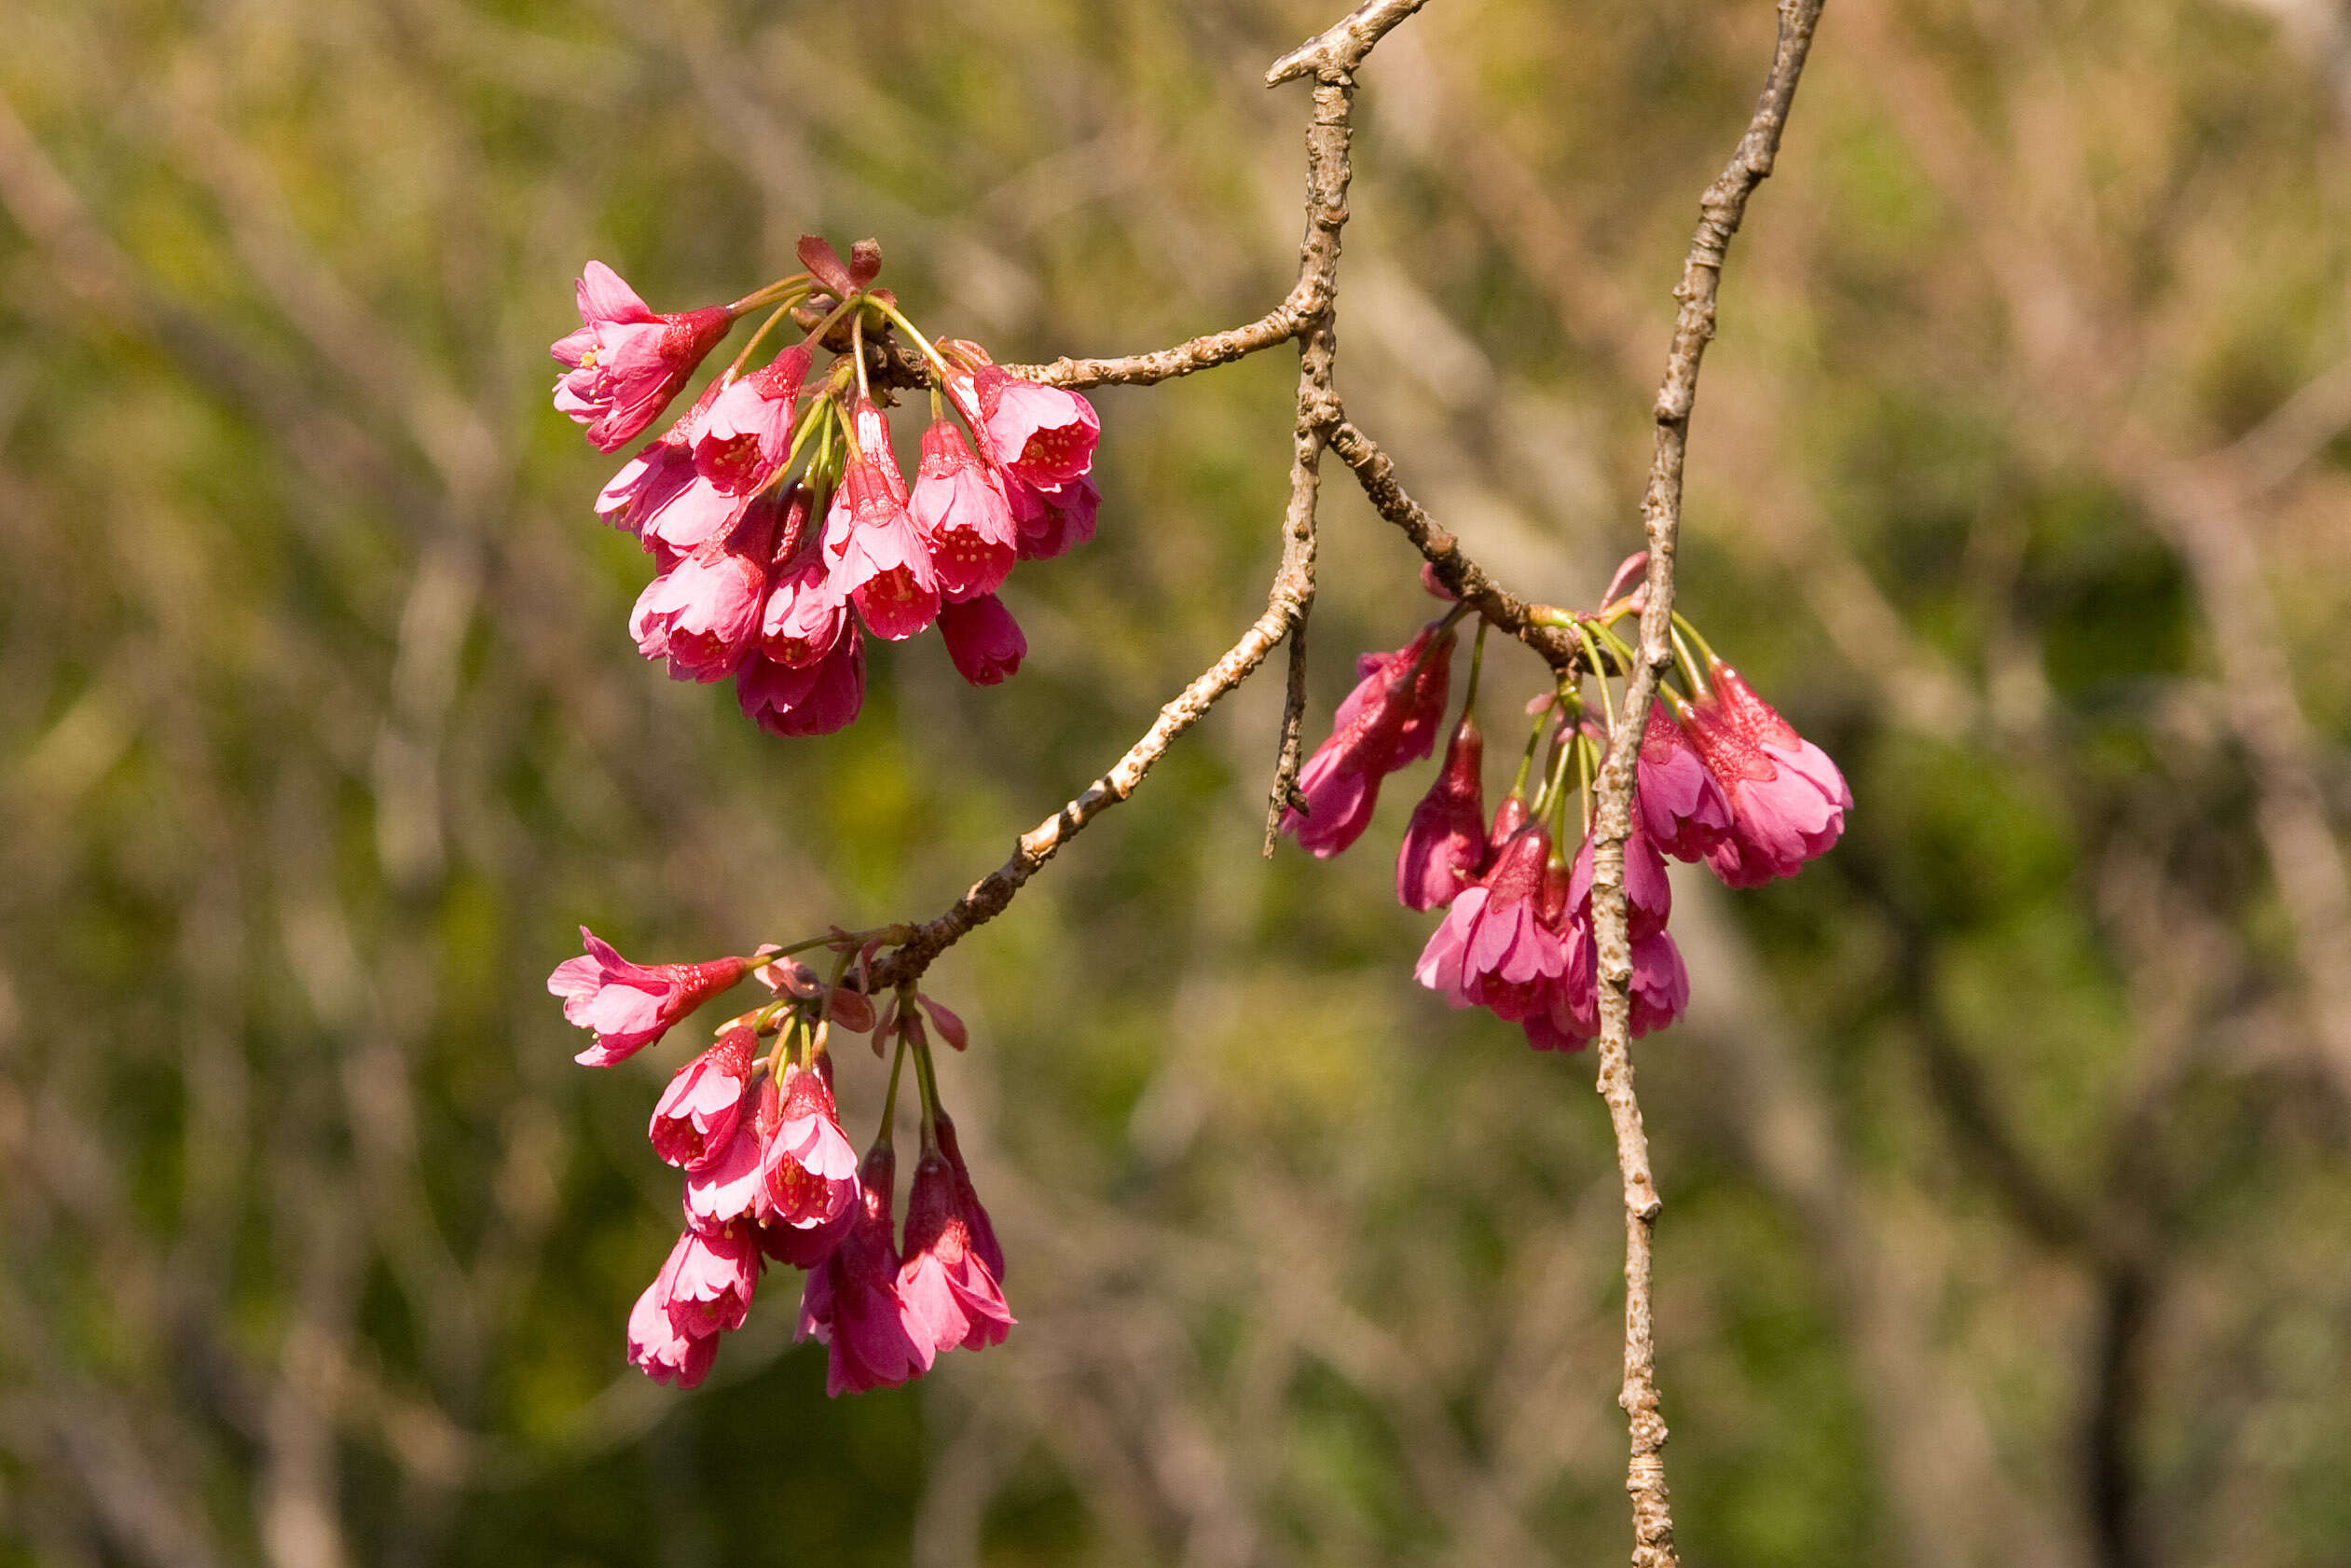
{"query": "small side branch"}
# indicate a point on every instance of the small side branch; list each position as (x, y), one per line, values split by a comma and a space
(1721, 208)
(1277, 325)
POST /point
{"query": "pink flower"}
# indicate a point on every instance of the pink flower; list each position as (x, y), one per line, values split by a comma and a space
(880, 563)
(1445, 843)
(806, 1162)
(711, 1277)
(1509, 816)
(1787, 800)
(1052, 522)
(804, 617)
(963, 515)
(946, 1285)
(1683, 809)
(625, 363)
(1043, 434)
(703, 614)
(1660, 991)
(694, 1120)
(727, 1188)
(983, 1240)
(1648, 896)
(1496, 948)
(817, 699)
(748, 431)
(852, 1303)
(655, 1344)
(982, 639)
(629, 1006)
(1389, 718)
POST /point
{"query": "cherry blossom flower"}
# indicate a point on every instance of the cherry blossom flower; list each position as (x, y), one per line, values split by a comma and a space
(1787, 799)
(946, 1285)
(1445, 842)
(629, 1006)
(983, 640)
(694, 1120)
(1495, 949)
(805, 1163)
(713, 1276)
(1388, 719)
(962, 514)
(626, 362)
(852, 1303)
(657, 1346)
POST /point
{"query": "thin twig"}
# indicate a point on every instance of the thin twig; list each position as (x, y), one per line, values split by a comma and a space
(1463, 577)
(1721, 208)
(1277, 325)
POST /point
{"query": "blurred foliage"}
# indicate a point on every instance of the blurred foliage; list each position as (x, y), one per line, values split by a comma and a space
(2004, 1175)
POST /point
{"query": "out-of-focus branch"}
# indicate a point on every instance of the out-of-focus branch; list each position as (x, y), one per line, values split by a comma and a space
(1721, 208)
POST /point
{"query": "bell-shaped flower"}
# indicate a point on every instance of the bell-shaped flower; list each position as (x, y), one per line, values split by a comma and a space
(657, 1346)
(1445, 843)
(806, 1162)
(1043, 434)
(812, 699)
(1389, 718)
(1683, 809)
(703, 614)
(1787, 799)
(747, 434)
(963, 515)
(1052, 522)
(946, 1285)
(694, 1120)
(1499, 946)
(983, 640)
(713, 1276)
(852, 1303)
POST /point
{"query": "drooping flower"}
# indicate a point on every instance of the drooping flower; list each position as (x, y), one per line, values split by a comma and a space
(880, 563)
(626, 362)
(946, 1285)
(1043, 434)
(1648, 896)
(804, 616)
(1683, 811)
(1445, 842)
(695, 1118)
(982, 1229)
(814, 700)
(963, 515)
(703, 614)
(727, 1186)
(852, 1303)
(1660, 991)
(1052, 522)
(1388, 719)
(712, 1279)
(747, 434)
(983, 640)
(657, 1346)
(1787, 799)
(629, 1006)
(806, 1162)
(1496, 949)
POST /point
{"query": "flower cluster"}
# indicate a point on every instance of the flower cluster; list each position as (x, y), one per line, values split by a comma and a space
(1720, 777)
(782, 526)
(771, 1177)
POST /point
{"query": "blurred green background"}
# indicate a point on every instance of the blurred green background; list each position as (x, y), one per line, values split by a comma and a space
(2004, 1151)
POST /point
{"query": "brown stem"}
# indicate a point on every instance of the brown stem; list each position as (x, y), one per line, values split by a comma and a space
(1722, 207)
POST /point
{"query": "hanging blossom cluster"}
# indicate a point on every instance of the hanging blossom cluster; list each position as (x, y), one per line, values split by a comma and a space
(785, 534)
(1720, 777)
(770, 1176)
(783, 528)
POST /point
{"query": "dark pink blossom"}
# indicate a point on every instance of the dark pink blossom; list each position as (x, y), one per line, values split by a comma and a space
(982, 639)
(747, 434)
(852, 1303)
(1683, 809)
(814, 700)
(946, 1285)
(1496, 948)
(1052, 522)
(880, 563)
(626, 362)
(1445, 842)
(1648, 896)
(1389, 718)
(804, 616)
(806, 1162)
(1043, 434)
(1787, 799)
(703, 614)
(975, 1218)
(655, 1344)
(961, 511)
(712, 1276)
(728, 1186)
(629, 1006)
(694, 1120)
(1660, 991)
